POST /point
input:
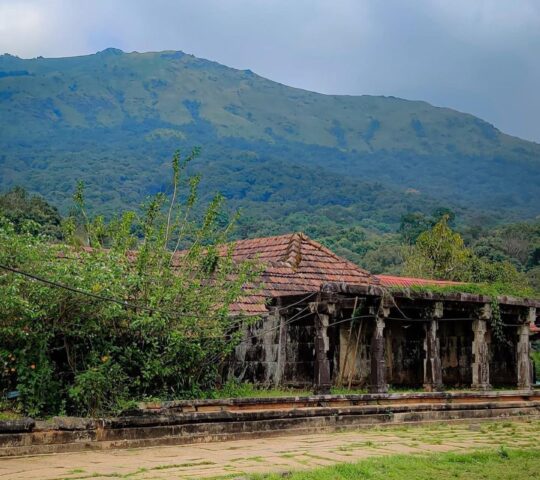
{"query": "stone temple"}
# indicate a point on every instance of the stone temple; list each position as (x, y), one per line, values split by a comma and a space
(326, 322)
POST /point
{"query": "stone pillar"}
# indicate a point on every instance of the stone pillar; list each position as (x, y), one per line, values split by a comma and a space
(480, 350)
(322, 380)
(282, 351)
(378, 364)
(432, 348)
(523, 360)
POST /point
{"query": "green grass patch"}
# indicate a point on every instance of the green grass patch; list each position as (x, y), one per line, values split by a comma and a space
(248, 390)
(492, 290)
(497, 464)
(9, 415)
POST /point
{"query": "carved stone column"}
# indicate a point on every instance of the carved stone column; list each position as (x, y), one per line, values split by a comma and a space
(480, 350)
(322, 381)
(282, 351)
(378, 364)
(524, 367)
(432, 349)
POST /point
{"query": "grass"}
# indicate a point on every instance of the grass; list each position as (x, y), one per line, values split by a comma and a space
(9, 415)
(497, 464)
(248, 390)
(346, 391)
(492, 290)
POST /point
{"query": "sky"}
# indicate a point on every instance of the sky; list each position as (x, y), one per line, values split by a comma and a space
(476, 56)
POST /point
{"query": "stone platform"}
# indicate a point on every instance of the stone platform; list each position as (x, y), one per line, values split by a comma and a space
(185, 422)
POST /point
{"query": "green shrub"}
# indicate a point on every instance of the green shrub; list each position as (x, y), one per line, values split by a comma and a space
(151, 323)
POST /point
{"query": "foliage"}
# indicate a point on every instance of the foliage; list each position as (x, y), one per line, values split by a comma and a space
(488, 289)
(496, 321)
(495, 464)
(535, 355)
(290, 158)
(30, 212)
(235, 389)
(513, 244)
(413, 224)
(161, 333)
(440, 253)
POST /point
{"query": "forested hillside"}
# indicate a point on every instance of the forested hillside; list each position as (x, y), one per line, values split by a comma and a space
(292, 159)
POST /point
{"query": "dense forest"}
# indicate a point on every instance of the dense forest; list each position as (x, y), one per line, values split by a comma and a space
(361, 174)
(292, 159)
(516, 245)
(91, 331)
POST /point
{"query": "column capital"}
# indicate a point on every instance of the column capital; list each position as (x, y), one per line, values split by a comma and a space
(485, 312)
(528, 315)
(434, 311)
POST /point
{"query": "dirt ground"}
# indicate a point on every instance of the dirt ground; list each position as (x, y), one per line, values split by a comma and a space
(278, 454)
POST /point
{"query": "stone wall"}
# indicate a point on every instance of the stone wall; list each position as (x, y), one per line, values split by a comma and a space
(405, 354)
(255, 359)
(502, 365)
(456, 339)
(300, 353)
(195, 421)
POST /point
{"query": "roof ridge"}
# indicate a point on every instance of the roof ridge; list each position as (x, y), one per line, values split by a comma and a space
(322, 248)
(242, 240)
(293, 255)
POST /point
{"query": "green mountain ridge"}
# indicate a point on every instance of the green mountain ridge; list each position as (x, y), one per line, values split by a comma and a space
(287, 156)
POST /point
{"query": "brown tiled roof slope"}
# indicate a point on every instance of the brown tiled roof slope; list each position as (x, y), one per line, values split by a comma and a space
(407, 282)
(294, 265)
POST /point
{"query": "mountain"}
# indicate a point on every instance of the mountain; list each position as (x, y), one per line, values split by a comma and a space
(290, 157)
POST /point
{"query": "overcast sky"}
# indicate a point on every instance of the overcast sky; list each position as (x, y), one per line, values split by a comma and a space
(477, 56)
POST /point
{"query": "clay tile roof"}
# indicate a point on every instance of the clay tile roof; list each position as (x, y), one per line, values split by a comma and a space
(394, 281)
(294, 265)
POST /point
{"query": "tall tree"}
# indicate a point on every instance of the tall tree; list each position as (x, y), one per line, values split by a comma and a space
(438, 253)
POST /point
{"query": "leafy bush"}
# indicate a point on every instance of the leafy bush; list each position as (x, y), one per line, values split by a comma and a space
(152, 321)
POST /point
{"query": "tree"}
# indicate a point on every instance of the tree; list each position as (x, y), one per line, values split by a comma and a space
(30, 212)
(137, 319)
(438, 253)
(412, 225)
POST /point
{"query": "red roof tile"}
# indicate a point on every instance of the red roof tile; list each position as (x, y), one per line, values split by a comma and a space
(394, 281)
(294, 265)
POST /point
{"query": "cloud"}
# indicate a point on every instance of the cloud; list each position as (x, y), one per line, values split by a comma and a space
(476, 56)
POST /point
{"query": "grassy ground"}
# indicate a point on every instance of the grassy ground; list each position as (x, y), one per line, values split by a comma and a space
(442, 451)
(492, 464)
(248, 390)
